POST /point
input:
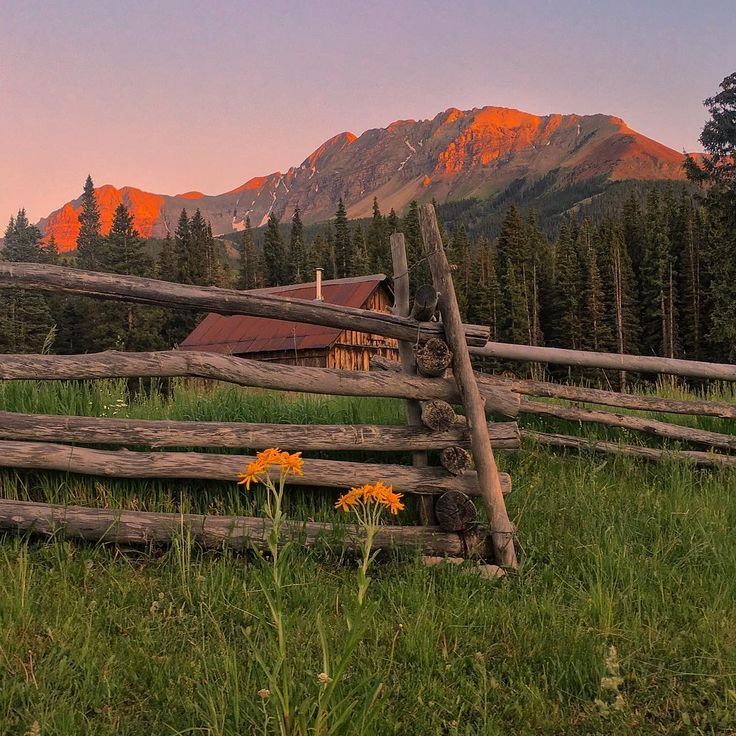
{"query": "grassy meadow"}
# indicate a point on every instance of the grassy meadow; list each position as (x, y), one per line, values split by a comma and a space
(615, 553)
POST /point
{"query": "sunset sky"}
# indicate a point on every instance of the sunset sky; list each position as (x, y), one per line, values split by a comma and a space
(173, 96)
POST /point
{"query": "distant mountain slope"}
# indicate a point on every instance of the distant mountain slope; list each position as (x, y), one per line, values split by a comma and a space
(457, 155)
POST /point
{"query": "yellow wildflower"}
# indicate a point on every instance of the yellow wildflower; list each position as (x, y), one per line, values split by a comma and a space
(292, 463)
(254, 473)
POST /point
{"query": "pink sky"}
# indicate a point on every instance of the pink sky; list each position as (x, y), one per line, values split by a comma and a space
(174, 96)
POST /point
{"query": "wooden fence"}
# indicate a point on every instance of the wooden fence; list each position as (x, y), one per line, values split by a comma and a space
(433, 374)
(42, 442)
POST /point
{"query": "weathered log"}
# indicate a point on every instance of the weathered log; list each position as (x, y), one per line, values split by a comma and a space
(425, 303)
(211, 466)
(438, 415)
(626, 421)
(117, 287)
(406, 354)
(218, 532)
(244, 372)
(609, 361)
(455, 511)
(433, 357)
(455, 459)
(502, 530)
(701, 459)
(545, 389)
(170, 433)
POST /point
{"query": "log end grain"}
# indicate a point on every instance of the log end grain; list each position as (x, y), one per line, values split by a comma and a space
(455, 459)
(455, 511)
(438, 415)
(433, 357)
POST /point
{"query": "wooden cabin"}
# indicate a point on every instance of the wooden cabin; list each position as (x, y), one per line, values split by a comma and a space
(295, 343)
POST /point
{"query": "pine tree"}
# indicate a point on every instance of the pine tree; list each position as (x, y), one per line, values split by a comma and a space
(595, 330)
(182, 247)
(166, 266)
(298, 261)
(251, 268)
(200, 250)
(418, 268)
(512, 262)
(461, 263)
(568, 280)
(25, 315)
(342, 245)
(377, 242)
(274, 254)
(89, 238)
(359, 255)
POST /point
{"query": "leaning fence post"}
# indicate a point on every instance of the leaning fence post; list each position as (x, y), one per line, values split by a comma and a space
(408, 363)
(502, 530)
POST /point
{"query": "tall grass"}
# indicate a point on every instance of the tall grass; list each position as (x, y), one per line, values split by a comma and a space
(101, 640)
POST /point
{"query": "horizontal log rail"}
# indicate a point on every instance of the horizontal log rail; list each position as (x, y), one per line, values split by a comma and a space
(609, 361)
(638, 424)
(211, 466)
(244, 372)
(701, 459)
(117, 287)
(545, 389)
(218, 532)
(169, 433)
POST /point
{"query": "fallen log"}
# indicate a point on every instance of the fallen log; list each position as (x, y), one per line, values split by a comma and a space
(244, 372)
(609, 361)
(211, 466)
(218, 532)
(502, 530)
(117, 287)
(701, 459)
(170, 433)
(638, 424)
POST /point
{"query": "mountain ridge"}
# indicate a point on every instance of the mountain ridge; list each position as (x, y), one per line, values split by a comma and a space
(455, 155)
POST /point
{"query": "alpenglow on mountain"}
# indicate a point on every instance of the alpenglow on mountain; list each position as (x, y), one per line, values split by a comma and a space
(456, 155)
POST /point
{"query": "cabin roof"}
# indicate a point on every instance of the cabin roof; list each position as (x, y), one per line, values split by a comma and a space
(241, 334)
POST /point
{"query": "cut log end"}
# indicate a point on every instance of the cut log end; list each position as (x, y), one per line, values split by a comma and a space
(438, 415)
(455, 460)
(433, 357)
(455, 511)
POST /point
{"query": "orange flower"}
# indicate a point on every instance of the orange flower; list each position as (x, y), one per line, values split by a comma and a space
(377, 493)
(292, 463)
(254, 473)
(349, 499)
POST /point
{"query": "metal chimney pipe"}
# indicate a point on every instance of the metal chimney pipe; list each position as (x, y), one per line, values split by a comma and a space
(319, 296)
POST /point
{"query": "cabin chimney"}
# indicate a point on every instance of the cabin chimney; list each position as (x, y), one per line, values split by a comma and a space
(318, 296)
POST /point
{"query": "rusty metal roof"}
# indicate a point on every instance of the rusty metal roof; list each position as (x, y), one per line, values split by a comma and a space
(241, 334)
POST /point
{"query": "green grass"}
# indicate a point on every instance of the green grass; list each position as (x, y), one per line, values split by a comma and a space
(99, 640)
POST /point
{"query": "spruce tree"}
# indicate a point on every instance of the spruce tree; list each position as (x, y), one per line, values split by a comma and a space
(25, 315)
(251, 268)
(342, 243)
(377, 242)
(274, 254)
(89, 238)
(298, 261)
(166, 266)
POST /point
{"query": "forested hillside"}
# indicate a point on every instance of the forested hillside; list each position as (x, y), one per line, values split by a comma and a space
(653, 272)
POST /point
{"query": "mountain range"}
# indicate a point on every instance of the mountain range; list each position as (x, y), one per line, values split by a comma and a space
(479, 153)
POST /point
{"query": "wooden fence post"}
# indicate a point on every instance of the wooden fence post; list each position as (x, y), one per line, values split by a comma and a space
(406, 354)
(502, 530)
